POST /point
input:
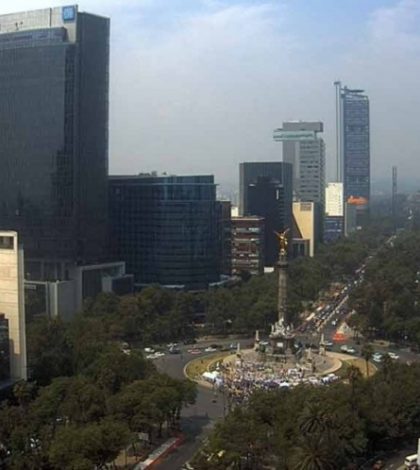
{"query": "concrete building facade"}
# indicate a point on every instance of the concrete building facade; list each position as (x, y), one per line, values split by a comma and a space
(305, 150)
(12, 303)
(305, 217)
(334, 199)
(248, 245)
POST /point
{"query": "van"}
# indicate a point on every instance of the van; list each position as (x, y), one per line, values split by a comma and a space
(411, 461)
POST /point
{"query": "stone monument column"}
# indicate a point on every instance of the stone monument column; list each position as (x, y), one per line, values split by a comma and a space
(282, 336)
(282, 266)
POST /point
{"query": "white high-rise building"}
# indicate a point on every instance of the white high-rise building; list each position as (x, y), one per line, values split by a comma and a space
(12, 304)
(334, 200)
(305, 150)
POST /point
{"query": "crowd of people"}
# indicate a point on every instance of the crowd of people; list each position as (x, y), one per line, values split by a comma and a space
(241, 377)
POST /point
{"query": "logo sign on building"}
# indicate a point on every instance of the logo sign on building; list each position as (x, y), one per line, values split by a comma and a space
(69, 14)
(280, 135)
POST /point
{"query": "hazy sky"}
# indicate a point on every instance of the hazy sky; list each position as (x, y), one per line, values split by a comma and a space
(197, 86)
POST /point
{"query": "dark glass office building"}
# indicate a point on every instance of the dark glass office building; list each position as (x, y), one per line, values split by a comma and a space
(355, 143)
(266, 190)
(54, 136)
(166, 229)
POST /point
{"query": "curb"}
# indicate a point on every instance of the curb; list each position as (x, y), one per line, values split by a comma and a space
(160, 453)
(201, 383)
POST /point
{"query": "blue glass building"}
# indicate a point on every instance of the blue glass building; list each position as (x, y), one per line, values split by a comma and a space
(355, 143)
(166, 229)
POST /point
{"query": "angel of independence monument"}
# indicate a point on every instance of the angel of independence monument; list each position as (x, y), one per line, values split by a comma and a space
(282, 337)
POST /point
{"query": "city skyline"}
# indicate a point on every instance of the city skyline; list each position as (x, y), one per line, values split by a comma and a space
(197, 87)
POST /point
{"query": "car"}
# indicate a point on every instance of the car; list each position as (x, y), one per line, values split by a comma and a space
(377, 357)
(393, 356)
(149, 350)
(210, 349)
(174, 350)
(347, 349)
(194, 351)
(410, 461)
(328, 345)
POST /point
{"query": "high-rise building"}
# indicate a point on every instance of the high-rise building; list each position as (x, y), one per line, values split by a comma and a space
(166, 229)
(305, 150)
(265, 190)
(248, 245)
(334, 200)
(54, 137)
(353, 142)
(12, 307)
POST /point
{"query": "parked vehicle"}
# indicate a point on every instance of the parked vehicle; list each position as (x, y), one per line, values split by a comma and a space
(410, 462)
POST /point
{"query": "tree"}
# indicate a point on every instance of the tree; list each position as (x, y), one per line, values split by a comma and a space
(92, 446)
(314, 452)
(49, 350)
(367, 353)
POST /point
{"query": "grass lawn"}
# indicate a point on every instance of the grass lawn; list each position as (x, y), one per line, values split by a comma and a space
(197, 367)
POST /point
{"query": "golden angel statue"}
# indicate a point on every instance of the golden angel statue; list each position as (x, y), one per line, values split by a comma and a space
(282, 236)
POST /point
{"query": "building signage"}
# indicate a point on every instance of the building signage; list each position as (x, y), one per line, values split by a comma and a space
(69, 14)
(280, 135)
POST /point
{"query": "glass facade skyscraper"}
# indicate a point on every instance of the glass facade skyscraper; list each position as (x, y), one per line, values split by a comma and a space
(166, 229)
(54, 136)
(355, 143)
(266, 190)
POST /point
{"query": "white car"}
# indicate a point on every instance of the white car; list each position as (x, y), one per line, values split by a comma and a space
(347, 349)
(377, 357)
(393, 356)
(149, 350)
(210, 349)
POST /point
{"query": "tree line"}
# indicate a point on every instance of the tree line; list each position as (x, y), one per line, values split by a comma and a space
(387, 302)
(89, 398)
